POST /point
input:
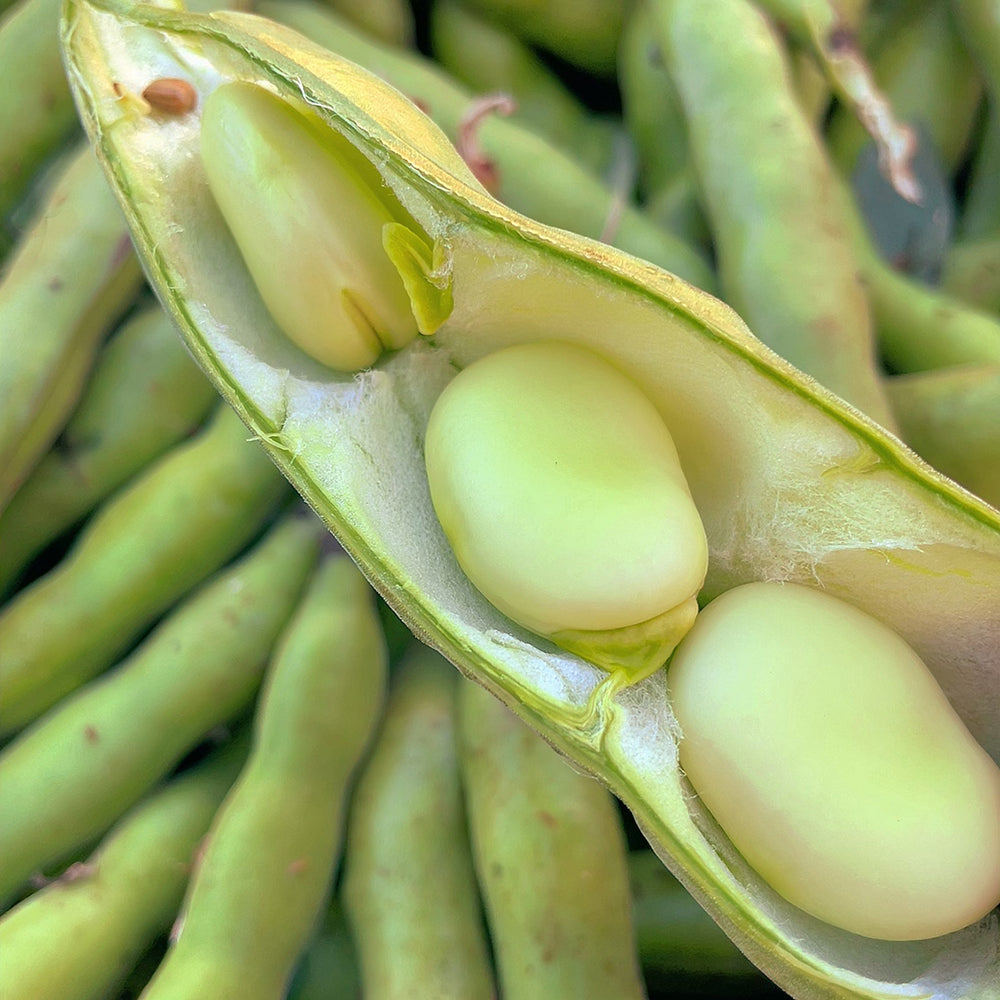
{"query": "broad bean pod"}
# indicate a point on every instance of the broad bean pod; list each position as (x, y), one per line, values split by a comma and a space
(791, 484)
(584, 33)
(409, 890)
(387, 20)
(489, 59)
(76, 938)
(981, 210)
(928, 77)
(972, 272)
(951, 416)
(68, 777)
(550, 854)
(143, 372)
(75, 268)
(679, 944)
(275, 842)
(758, 159)
(564, 194)
(146, 547)
(33, 125)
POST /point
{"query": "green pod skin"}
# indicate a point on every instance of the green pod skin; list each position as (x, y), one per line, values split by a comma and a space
(583, 33)
(972, 272)
(240, 937)
(80, 935)
(951, 418)
(978, 24)
(679, 943)
(68, 777)
(981, 210)
(564, 194)
(389, 21)
(42, 115)
(919, 327)
(329, 967)
(145, 548)
(790, 482)
(489, 59)
(550, 853)
(143, 371)
(409, 889)
(654, 119)
(71, 276)
(928, 76)
(796, 282)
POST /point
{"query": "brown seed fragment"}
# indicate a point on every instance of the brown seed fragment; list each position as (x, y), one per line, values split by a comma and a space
(171, 96)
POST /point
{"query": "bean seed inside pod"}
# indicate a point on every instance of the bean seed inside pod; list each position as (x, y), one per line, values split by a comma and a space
(559, 487)
(826, 750)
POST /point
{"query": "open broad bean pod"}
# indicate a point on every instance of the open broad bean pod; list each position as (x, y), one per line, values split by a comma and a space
(791, 483)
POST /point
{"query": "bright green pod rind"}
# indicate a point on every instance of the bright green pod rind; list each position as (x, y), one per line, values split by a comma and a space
(64, 780)
(69, 279)
(550, 855)
(79, 936)
(39, 113)
(144, 395)
(790, 482)
(275, 842)
(409, 888)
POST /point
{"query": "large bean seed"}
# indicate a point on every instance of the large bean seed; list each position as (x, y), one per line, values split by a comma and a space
(558, 485)
(832, 759)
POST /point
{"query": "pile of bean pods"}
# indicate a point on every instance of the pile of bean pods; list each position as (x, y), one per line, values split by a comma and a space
(227, 767)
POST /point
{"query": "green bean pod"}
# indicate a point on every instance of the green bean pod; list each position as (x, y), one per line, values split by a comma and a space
(64, 780)
(790, 483)
(329, 967)
(79, 936)
(972, 272)
(928, 77)
(678, 941)
(978, 23)
(981, 209)
(144, 371)
(240, 937)
(387, 20)
(71, 276)
(583, 33)
(655, 121)
(40, 113)
(550, 854)
(409, 889)
(190, 512)
(489, 59)
(758, 160)
(564, 194)
(951, 417)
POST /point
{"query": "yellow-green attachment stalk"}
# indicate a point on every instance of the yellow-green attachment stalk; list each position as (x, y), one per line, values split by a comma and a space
(791, 483)
(558, 485)
(832, 759)
(309, 219)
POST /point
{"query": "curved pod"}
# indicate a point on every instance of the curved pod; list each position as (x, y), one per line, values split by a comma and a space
(790, 482)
